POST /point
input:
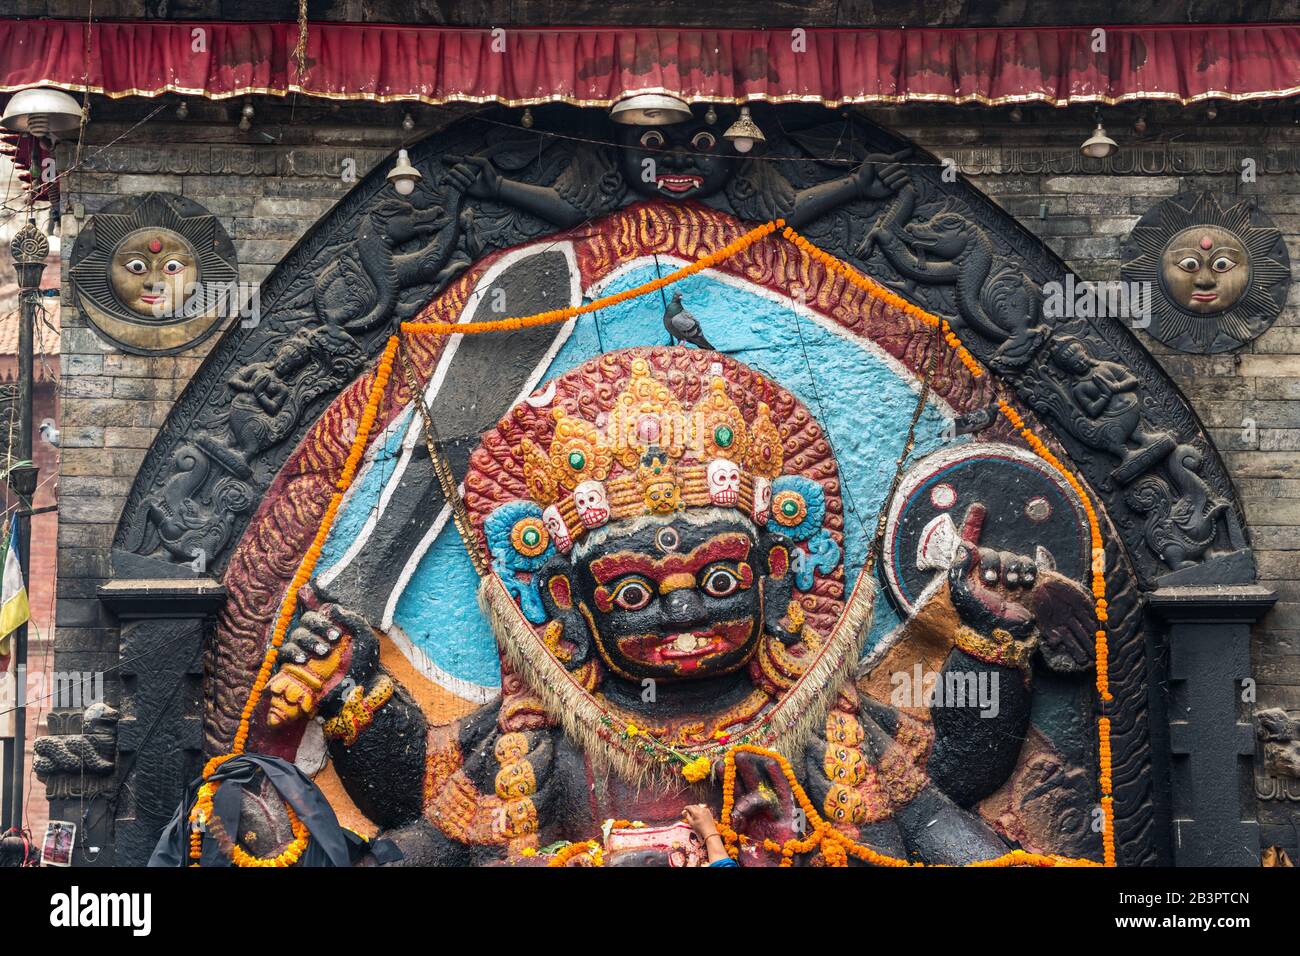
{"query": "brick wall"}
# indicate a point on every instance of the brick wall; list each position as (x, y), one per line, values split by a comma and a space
(268, 185)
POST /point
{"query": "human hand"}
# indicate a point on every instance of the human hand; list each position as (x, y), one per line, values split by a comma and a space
(700, 817)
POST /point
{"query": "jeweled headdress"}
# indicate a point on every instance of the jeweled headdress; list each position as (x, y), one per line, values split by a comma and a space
(643, 434)
(653, 455)
(655, 432)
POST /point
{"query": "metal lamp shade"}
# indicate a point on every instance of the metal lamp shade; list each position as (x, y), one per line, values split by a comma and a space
(650, 109)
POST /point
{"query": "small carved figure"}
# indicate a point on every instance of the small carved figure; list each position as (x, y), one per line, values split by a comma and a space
(994, 297)
(261, 393)
(1280, 734)
(1097, 400)
(1182, 523)
(93, 751)
(358, 291)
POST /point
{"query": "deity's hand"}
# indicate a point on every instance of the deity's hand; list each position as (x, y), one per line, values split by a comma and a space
(882, 175)
(765, 807)
(990, 588)
(329, 652)
(475, 176)
(1022, 595)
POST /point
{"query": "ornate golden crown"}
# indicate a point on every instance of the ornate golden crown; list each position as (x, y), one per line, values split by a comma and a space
(670, 458)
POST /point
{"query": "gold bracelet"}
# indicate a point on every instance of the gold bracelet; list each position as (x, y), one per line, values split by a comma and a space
(358, 712)
(1001, 648)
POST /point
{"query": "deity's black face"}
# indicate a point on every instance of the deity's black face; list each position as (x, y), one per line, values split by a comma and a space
(687, 160)
(675, 600)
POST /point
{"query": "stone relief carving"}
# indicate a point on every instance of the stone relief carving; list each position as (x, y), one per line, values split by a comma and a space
(77, 764)
(1279, 734)
(485, 186)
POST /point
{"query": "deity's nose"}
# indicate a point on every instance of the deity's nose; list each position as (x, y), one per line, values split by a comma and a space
(677, 159)
(683, 608)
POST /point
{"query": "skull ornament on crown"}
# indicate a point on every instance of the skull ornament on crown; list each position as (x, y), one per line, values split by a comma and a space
(652, 471)
(592, 504)
(724, 482)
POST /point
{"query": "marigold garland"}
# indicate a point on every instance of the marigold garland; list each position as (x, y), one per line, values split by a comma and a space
(287, 609)
(877, 291)
(835, 847)
(552, 316)
(565, 854)
(1101, 606)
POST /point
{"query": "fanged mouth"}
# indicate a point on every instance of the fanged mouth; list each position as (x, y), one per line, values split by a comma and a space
(686, 649)
(679, 184)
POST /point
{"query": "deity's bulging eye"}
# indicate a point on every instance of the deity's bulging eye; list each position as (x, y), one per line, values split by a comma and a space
(136, 266)
(633, 594)
(173, 267)
(1189, 264)
(720, 582)
(704, 141)
(1223, 264)
(652, 139)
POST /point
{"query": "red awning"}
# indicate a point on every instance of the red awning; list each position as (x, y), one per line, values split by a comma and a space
(594, 67)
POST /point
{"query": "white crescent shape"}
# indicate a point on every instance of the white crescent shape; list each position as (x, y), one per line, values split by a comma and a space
(152, 338)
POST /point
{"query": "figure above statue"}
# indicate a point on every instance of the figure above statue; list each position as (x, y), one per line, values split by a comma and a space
(679, 161)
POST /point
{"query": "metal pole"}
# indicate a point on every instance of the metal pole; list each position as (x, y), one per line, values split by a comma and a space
(29, 249)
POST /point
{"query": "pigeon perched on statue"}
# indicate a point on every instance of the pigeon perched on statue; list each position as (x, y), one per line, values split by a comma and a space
(683, 326)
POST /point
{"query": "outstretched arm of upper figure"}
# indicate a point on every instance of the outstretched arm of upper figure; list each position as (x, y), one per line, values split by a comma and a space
(878, 177)
(476, 176)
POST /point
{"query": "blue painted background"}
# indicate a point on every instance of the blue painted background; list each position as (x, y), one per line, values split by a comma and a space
(861, 403)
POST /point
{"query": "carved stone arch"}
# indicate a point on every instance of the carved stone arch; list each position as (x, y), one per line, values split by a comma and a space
(326, 311)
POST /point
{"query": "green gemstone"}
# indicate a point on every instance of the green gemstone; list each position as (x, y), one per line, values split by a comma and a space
(531, 537)
(723, 436)
(576, 460)
(789, 508)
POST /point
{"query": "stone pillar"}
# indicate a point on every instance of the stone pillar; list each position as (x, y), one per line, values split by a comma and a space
(164, 625)
(1211, 734)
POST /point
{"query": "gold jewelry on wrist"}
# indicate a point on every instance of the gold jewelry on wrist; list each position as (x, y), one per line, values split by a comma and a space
(1000, 648)
(358, 711)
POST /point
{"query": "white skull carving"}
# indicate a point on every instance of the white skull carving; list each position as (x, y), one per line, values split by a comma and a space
(554, 523)
(762, 499)
(592, 503)
(724, 482)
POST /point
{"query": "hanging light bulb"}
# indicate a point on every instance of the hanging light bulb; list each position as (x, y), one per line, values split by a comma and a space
(183, 110)
(1098, 145)
(404, 176)
(711, 116)
(526, 121)
(1140, 127)
(246, 116)
(1016, 114)
(408, 121)
(744, 133)
(1212, 113)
